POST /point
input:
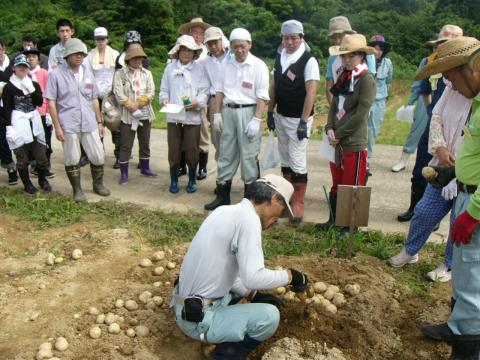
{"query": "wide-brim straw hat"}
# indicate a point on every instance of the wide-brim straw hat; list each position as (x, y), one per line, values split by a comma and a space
(474, 61)
(450, 54)
(351, 43)
(133, 51)
(185, 28)
(447, 32)
(187, 41)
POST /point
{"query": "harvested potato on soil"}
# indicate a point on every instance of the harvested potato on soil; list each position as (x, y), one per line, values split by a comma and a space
(171, 265)
(352, 289)
(339, 299)
(44, 354)
(131, 305)
(141, 330)
(50, 259)
(95, 332)
(145, 263)
(159, 255)
(110, 318)
(280, 290)
(76, 254)
(319, 287)
(331, 308)
(93, 310)
(114, 328)
(158, 270)
(119, 303)
(130, 332)
(100, 319)
(61, 344)
(145, 297)
(58, 260)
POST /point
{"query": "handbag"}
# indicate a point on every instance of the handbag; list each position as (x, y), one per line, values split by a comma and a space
(111, 113)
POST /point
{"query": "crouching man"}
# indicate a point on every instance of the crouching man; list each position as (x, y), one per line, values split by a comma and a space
(225, 263)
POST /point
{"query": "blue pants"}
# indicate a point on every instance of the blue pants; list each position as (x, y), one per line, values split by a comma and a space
(422, 159)
(430, 210)
(465, 317)
(417, 129)
(375, 120)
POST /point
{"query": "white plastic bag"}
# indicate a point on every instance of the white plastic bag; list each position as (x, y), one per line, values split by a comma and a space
(405, 113)
(270, 158)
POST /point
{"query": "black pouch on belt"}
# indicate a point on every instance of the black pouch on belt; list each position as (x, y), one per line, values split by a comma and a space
(193, 309)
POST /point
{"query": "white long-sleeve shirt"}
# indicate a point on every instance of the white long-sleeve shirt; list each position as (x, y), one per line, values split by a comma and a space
(213, 66)
(226, 255)
(244, 83)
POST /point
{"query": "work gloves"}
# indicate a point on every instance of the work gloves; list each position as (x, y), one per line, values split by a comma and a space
(267, 299)
(299, 281)
(463, 227)
(143, 100)
(253, 127)
(217, 122)
(302, 131)
(270, 121)
(449, 192)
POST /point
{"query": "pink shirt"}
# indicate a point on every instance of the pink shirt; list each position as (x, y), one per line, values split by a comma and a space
(40, 76)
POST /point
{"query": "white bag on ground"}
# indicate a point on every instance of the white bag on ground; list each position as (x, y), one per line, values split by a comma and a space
(271, 157)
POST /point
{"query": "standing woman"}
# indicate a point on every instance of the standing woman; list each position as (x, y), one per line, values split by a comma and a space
(184, 83)
(134, 89)
(353, 95)
(20, 97)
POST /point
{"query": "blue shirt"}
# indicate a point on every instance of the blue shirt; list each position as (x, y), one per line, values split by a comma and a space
(384, 78)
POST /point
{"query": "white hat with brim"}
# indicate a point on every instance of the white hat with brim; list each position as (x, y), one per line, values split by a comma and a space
(195, 22)
(74, 46)
(450, 54)
(213, 33)
(283, 187)
(351, 43)
(447, 32)
(474, 60)
(187, 41)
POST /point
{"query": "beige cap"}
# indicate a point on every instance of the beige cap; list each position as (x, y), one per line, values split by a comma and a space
(74, 46)
(339, 25)
(213, 33)
(283, 187)
(352, 43)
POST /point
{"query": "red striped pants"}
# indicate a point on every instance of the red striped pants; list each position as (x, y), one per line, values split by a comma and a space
(353, 170)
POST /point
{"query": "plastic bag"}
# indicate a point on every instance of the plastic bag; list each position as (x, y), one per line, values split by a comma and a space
(271, 157)
(405, 113)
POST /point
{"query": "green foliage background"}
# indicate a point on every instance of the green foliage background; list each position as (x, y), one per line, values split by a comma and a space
(407, 24)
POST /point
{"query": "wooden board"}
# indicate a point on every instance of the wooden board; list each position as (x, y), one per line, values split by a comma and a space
(353, 197)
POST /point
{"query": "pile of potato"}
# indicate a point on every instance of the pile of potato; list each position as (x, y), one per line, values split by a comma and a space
(45, 350)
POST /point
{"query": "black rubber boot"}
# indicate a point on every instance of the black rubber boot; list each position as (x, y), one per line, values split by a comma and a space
(202, 165)
(73, 173)
(235, 350)
(182, 167)
(97, 179)
(42, 180)
(440, 332)
(332, 198)
(27, 184)
(12, 176)
(223, 196)
(465, 347)
(416, 194)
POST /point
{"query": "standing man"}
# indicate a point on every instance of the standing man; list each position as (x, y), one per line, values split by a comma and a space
(224, 263)
(242, 91)
(65, 32)
(293, 91)
(196, 28)
(72, 100)
(217, 45)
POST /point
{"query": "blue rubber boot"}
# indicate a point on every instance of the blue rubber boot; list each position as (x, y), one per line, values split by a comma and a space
(192, 184)
(174, 180)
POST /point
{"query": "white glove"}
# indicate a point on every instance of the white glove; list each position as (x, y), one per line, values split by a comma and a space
(253, 127)
(218, 122)
(27, 84)
(11, 134)
(48, 120)
(449, 192)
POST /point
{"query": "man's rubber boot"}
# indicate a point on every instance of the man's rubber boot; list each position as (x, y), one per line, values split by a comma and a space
(123, 174)
(42, 180)
(192, 183)
(332, 199)
(465, 347)
(297, 202)
(27, 184)
(202, 165)
(416, 194)
(440, 332)
(235, 350)
(73, 173)
(12, 176)
(287, 173)
(174, 180)
(145, 168)
(222, 196)
(97, 180)
(182, 167)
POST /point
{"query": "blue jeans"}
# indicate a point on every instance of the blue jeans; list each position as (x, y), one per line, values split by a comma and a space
(375, 120)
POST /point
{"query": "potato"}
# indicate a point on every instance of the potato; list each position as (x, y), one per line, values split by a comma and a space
(76, 254)
(301, 295)
(429, 173)
(100, 319)
(50, 259)
(145, 297)
(145, 263)
(93, 310)
(319, 287)
(130, 332)
(280, 290)
(331, 308)
(95, 332)
(114, 328)
(310, 292)
(141, 330)
(157, 284)
(329, 294)
(167, 283)
(150, 305)
(158, 270)
(335, 289)
(290, 295)
(317, 299)
(171, 265)
(339, 300)
(131, 305)
(44, 354)
(159, 255)
(119, 303)
(45, 345)
(119, 319)
(61, 344)
(110, 318)
(157, 300)
(58, 260)
(352, 289)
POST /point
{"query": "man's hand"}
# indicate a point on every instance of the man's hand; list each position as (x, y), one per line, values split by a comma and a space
(267, 299)
(302, 130)
(331, 137)
(131, 106)
(299, 281)
(463, 227)
(218, 122)
(192, 106)
(59, 133)
(101, 130)
(270, 121)
(253, 127)
(445, 157)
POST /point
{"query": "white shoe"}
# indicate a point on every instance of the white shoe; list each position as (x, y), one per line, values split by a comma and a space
(440, 274)
(402, 164)
(402, 259)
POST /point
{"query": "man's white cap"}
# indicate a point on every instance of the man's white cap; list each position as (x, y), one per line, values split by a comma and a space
(240, 34)
(213, 33)
(100, 32)
(282, 186)
(291, 27)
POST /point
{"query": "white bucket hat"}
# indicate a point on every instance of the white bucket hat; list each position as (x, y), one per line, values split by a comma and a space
(187, 41)
(283, 187)
(74, 46)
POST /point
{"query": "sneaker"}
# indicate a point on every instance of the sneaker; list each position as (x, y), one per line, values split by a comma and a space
(402, 259)
(440, 274)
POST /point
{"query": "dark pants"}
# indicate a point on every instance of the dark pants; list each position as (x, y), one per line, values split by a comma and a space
(116, 142)
(48, 141)
(6, 157)
(422, 159)
(183, 137)
(39, 154)
(127, 137)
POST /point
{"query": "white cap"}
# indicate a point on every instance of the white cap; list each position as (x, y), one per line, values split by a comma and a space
(213, 33)
(282, 186)
(240, 34)
(290, 27)
(100, 32)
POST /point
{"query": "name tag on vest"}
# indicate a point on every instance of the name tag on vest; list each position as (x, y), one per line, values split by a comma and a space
(291, 75)
(247, 85)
